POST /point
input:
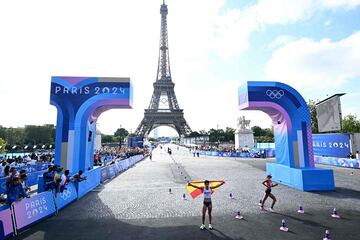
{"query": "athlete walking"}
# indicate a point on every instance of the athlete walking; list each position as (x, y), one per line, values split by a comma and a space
(268, 184)
(207, 190)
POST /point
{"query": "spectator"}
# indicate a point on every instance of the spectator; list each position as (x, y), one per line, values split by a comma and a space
(23, 179)
(57, 179)
(64, 180)
(16, 191)
(78, 176)
(49, 179)
(2, 166)
(9, 179)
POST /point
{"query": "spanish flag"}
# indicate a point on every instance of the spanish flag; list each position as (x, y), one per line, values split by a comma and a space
(194, 192)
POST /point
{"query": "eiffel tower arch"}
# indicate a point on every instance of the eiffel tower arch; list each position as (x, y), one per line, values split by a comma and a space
(163, 109)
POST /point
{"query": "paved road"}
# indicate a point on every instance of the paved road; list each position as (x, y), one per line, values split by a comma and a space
(137, 204)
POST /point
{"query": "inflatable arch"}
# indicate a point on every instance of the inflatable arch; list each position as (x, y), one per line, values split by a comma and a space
(292, 131)
(79, 102)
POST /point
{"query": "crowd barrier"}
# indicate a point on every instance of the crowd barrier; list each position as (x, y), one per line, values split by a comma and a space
(92, 181)
(32, 179)
(339, 162)
(260, 153)
(5, 217)
(29, 211)
(34, 168)
(113, 170)
(68, 196)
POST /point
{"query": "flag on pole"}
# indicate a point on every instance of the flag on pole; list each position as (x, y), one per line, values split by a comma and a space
(194, 192)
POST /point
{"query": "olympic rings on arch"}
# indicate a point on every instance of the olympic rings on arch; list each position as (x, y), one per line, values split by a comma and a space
(275, 93)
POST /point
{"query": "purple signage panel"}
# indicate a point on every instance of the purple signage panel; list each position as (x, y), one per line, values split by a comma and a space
(5, 217)
(30, 210)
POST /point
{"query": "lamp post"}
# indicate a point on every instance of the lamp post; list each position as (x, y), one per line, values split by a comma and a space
(12, 151)
(25, 148)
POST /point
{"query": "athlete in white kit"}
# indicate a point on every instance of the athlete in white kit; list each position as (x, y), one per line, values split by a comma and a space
(207, 201)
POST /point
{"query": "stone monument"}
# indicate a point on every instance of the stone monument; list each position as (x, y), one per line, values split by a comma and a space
(244, 136)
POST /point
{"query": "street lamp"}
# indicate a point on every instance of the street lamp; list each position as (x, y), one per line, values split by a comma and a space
(12, 152)
(26, 147)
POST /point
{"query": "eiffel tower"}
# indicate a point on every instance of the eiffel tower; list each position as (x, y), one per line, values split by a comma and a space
(163, 109)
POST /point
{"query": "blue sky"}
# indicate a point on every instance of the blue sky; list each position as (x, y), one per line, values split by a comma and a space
(215, 46)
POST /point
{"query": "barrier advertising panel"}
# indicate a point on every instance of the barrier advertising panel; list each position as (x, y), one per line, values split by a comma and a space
(5, 217)
(30, 210)
(93, 178)
(331, 145)
(67, 196)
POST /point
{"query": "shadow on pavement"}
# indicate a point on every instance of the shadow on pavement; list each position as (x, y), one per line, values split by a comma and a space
(66, 225)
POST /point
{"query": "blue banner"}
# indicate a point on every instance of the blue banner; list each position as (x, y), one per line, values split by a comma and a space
(30, 210)
(93, 178)
(253, 153)
(67, 196)
(331, 145)
(104, 174)
(339, 162)
(112, 171)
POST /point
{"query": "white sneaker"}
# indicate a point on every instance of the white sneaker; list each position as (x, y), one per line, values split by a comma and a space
(202, 226)
(210, 227)
(271, 210)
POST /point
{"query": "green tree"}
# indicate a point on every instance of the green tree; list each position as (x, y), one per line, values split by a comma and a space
(121, 134)
(350, 124)
(263, 135)
(14, 136)
(194, 134)
(44, 134)
(229, 134)
(314, 122)
(107, 138)
(2, 145)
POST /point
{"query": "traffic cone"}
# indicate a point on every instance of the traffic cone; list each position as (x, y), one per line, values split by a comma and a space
(327, 235)
(334, 214)
(184, 196)
(238, 215)
(301, 209)
(283, 227)
(169, 190)
(231, 196)
(260, 203)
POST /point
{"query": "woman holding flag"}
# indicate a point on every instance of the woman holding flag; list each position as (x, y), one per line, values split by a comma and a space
(207, 190)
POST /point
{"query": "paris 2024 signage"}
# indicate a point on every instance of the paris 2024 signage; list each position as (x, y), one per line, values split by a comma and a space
(292, 131)
(79, 102)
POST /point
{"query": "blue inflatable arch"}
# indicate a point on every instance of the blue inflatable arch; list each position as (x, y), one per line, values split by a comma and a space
(292, 131)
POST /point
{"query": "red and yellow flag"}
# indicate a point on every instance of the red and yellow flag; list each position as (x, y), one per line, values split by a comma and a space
(194, 192)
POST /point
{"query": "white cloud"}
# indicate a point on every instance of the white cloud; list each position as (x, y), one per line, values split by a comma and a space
(327, 23)
(233, 29)
(347, 4)
(280, 41)
(306, 63)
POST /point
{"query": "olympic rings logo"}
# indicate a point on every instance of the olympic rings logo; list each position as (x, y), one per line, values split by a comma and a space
(66, 194)
(275, 93)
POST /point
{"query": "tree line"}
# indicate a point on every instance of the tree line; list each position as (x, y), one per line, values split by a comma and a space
(28, 135)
